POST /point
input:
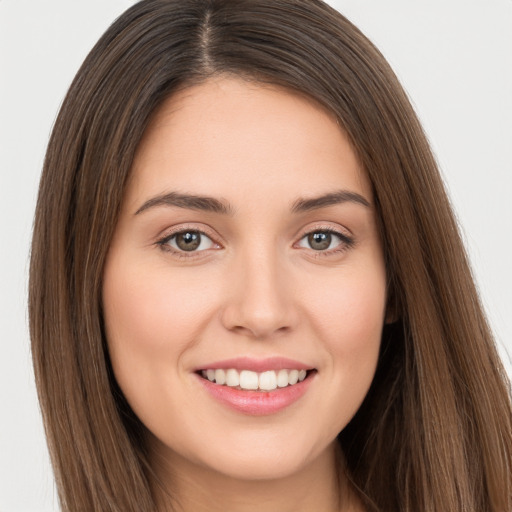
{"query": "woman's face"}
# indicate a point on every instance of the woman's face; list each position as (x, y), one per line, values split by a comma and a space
(246, 250)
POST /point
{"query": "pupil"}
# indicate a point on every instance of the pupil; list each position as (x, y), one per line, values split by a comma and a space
(319, 241)
(188, 241)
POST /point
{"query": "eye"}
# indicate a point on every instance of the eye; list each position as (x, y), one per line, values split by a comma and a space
(325, 240)
(188, 241)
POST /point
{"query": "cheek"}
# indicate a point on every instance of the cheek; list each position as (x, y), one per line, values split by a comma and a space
(348, 319)
(349, 311)
(356, 328)
(151, 311)
(151, 319)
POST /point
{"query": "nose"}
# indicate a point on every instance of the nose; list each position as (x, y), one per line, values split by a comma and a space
(260, 300)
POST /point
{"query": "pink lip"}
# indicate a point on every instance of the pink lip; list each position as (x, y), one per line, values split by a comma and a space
(257, 403)
(256, 365)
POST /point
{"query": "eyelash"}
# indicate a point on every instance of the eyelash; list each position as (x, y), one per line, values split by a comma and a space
(163, 243)
(346, 242)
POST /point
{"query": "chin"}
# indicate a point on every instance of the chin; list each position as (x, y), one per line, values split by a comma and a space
(258, 467)
(262, 457)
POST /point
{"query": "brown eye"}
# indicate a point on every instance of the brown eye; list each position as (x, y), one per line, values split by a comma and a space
(319, 241)
(325, 241)
(189, 241)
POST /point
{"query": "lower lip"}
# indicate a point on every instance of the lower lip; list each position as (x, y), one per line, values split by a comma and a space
(257, 403)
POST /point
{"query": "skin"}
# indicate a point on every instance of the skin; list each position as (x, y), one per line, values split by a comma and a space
(258, 289)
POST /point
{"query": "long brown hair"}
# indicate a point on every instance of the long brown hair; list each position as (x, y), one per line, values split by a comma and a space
(434, 432)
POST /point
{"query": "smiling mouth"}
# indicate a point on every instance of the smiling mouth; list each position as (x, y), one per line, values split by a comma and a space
(253, 381)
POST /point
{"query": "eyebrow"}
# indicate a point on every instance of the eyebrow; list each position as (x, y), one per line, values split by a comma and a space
(189, 201)
(211, 204)
(333, 198)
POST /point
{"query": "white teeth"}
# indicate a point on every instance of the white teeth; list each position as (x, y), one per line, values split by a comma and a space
(293, 377)
(232, 378)
(220, 376)
(249, 380)
(268, 381)
(282, 378)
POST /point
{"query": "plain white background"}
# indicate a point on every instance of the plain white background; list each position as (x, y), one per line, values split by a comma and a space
(455, 60)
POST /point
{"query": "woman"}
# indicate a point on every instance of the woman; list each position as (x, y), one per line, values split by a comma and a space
(247, 273)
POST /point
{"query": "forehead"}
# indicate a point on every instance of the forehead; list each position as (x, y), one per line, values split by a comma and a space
(229, 135)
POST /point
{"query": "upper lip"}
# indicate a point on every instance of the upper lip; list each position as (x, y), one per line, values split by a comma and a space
(256, 365)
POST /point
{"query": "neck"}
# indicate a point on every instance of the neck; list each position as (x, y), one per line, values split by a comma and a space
(320, 486)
